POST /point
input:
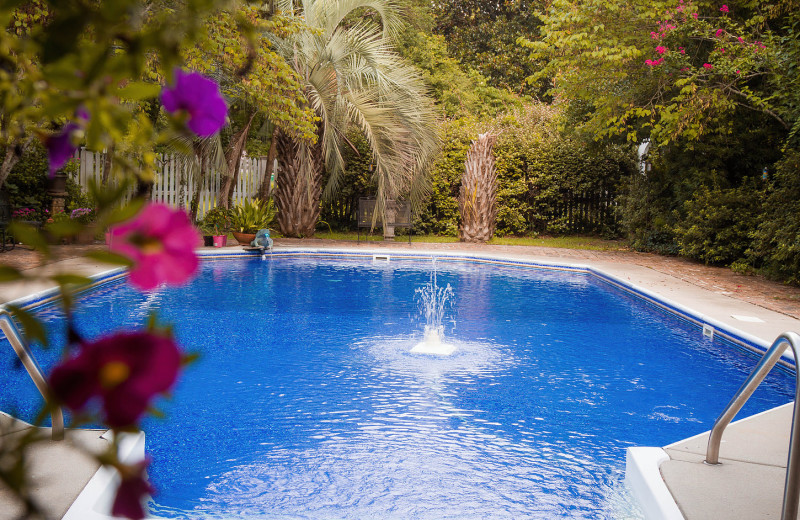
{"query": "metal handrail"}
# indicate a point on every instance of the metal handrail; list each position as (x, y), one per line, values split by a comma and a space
(25, 355)
(791, 489)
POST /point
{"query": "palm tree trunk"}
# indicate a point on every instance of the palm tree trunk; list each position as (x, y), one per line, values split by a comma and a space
(266, 185)
(194, 206)
(298, 186)
(477, 200)
(233, 158)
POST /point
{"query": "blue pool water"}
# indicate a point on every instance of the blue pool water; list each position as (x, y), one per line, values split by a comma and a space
(308, 404)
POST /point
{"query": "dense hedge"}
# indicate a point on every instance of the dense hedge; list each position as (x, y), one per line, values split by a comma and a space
(775, 248)
(540, 171)
(710, 202)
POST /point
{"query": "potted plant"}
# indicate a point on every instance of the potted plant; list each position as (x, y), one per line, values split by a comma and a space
(215, 227)
(248, 218)
(85, 217)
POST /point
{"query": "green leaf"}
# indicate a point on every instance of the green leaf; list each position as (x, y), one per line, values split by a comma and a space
(139, 90)
(71, 279)
(32, 328)
(126, 212)
(30, 236)
(109, 258)
(63, 228)
(9, 274)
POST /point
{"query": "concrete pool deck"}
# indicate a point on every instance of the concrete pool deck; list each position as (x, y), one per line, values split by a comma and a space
(752, 305)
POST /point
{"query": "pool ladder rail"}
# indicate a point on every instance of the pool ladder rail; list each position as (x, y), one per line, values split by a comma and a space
(791, 489)
(25, 355)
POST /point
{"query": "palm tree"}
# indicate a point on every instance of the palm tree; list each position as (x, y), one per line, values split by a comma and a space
(352, 79)
(477, 199)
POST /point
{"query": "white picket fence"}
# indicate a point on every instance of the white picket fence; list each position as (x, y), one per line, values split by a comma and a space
(174, 183)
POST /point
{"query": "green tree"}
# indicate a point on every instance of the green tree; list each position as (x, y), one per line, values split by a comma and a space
(352, 79)
(257, 81)
(483, 36)
(660, 69)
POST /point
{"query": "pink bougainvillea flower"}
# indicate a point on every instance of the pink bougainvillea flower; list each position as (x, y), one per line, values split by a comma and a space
(160, 241)
(694, 15)
(708, 66)
(738, 71)
(124, 370)
(724, 8)
(200, 98)
(654, 35)
(719, 33)
(653, 63)
(132, 491)
(683, 51)
(661, 49)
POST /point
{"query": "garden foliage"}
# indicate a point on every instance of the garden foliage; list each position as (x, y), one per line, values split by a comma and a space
(539, 167)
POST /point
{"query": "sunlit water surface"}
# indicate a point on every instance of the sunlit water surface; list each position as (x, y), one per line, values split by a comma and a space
(307, 402)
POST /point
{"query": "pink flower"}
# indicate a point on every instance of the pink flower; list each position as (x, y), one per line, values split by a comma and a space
(160, 241)
(719, 33)
(694, 15)
(741, 40)
(653, 63)
(708, 65)
(200, 98)
(661, 49)
(738, 71)
(132, 490)
(683, 51)
(684, 69)
(124, 370)
(654, 35)
(724, 8)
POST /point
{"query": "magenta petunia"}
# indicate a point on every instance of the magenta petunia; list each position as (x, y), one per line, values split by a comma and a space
(200, 98)
(124, 370)
(160, 241)
(132, 491)
(60, 147)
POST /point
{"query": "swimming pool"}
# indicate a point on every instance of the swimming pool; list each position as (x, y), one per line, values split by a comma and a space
(308, 404)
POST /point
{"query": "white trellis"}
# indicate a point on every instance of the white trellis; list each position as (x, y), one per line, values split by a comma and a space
(175, 185)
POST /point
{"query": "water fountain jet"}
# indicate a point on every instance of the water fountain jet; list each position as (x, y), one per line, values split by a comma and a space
(433, 301)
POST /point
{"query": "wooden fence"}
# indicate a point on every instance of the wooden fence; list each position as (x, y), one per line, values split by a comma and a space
(175, 184)
(585, 212)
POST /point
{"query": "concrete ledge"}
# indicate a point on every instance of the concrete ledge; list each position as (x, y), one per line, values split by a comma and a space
(643, 479)
(94, 502)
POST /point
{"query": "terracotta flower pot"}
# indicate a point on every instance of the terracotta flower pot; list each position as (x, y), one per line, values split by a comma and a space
(244, 239)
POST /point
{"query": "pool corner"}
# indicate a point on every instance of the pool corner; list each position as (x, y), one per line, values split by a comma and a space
(643, 479)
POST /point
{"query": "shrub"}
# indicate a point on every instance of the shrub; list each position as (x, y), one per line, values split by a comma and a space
(720, 223)
(252, 216)
(27, 182)
(776, 244)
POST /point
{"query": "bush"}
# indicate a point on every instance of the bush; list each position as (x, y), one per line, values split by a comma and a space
(540, 171)
(28, 180)
(720, 223)
(776, 244)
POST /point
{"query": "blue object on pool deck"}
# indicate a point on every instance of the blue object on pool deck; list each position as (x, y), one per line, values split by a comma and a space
(330, 415)
(262, 239)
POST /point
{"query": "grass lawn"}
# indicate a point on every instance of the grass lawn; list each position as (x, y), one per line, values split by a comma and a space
(567, 242)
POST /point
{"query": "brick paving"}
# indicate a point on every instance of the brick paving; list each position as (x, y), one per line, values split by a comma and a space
(756, 290)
